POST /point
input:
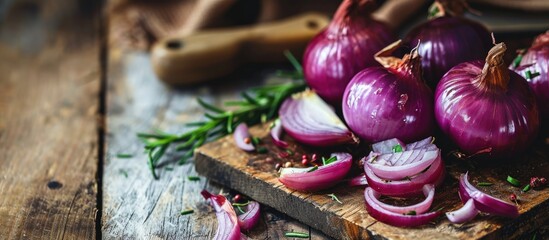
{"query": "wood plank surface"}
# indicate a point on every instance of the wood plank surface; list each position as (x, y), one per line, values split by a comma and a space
(223, 162)
(49, 91)
(135, 206)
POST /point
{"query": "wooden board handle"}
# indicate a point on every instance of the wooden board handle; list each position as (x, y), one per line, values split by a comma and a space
(214, 53)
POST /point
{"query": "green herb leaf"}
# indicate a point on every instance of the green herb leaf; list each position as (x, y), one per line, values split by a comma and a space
(209, 106)
(124, 155)
(329, 160)
(313, 169)
(241, 204)
(513, 181)
(485, 184)
(296, 234)
(169, 168)
(294, 62)
(334, 197)
(187, 211)
(193, 178)
(397, 148)
(526, 188)
(123, 172)
(517, 60)
(240, 209)
(262, 150)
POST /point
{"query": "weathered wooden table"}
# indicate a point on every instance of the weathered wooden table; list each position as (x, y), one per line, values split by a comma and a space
(70, 102)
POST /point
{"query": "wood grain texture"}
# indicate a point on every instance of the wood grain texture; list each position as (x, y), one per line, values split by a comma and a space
(223, 162)
(49, 90)
(135, 206)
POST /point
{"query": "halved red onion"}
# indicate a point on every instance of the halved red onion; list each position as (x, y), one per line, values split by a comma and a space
(396, 219)
(309, 120)
(249, 219)
(464, 214)
(423, 206)
(276, 133)
(308, 179)
(398, 172)
(387, 145)
(484, 202)
(240, 135)
(228, 228)
(359, 180)
(407, 187)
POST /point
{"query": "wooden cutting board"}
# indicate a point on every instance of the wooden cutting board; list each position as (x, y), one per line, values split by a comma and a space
(254, 176)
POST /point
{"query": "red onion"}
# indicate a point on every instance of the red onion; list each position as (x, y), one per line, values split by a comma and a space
(420, 144)
(249, 219)
(415, 166)
(242, 137)
(422, 207)
(359, 180)
(317, 178)
(309, 120)
(276, 132)
(407, 187)
(391, 101)
(396, 219)
(388, 145)
(464, 214)
(228, 228)
(484, 202)
(346, 46)
(485, 107)
(448, 39)
(534, 66)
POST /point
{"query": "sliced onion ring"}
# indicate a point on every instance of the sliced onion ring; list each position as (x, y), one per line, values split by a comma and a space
(387, 146)
(400, 172)
(359, 180)
(405, 188)
(228, 227)
(276, 133)
(484, 202)
(395, 219)
(464, 214)
(306, 179)
(423, 206)
(309, 120)
(249, 219)
(420, 144)
(240, 135)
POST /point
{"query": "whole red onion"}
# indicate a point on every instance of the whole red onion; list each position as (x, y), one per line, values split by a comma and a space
(485, 107)
(534, 66)
(391, 101)
(345, 47)
(448, 39)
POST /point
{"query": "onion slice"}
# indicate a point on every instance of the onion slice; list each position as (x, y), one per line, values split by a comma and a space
(420, 144)
(228, 228)
(276, 133)
(484, 202)
(402, 171)
(309, 120)
(396, 219)
(309, 179)
(249, 219)
(240, 135)
(407, 187)
(423, 206)
(464, 214)
(387, 146)
(359, 180)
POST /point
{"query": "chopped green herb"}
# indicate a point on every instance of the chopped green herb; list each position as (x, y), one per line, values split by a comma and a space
(531, 75)
(256, 141)
(263, 118)
(240, 209)
(289, 151)
(262, 150)
(313, 169)
(485, 184)
(334, 197)
(124, 155)
(517, 60)
(187, 211)
(123, 172)
(296, 234)
(193, 178)
(413, 212)
(513, 181)
(397, 148)
(526, 188)
(241, 204)
(329, 160)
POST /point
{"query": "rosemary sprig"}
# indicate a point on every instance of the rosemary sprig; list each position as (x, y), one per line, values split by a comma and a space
(259, 104)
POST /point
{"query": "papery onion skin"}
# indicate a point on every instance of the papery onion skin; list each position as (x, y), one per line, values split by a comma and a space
(345, 47)
(389, 102)
(228, 227)
(478, 115)
(447, 41)
(324, 177)
(250, 218)
(536, 60)
(395, 219)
